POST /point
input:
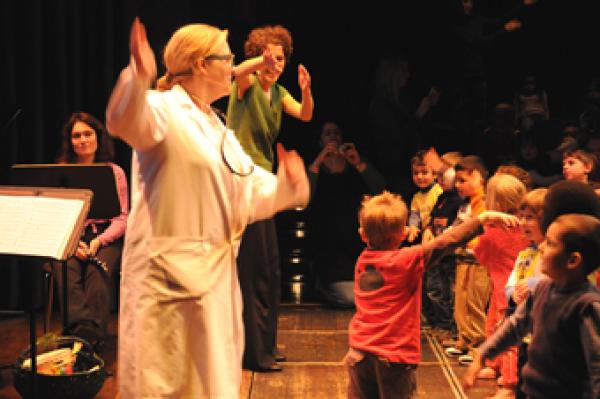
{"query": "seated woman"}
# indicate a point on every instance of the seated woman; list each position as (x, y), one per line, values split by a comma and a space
(339, 178)
(91, 270)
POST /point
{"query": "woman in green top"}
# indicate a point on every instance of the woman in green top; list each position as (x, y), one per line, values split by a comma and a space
(256, 105)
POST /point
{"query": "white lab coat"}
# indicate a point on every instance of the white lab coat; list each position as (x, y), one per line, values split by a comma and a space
(180, 321)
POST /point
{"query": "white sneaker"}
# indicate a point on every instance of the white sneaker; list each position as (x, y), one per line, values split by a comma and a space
(465, 360)
(453, 351)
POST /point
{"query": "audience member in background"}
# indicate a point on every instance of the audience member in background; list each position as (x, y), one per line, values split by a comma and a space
(254, 113)
(536, 162)
(531, 104)
(471, 35)
(394, 120)
(90, 273)
(498, 142)
(339, 178)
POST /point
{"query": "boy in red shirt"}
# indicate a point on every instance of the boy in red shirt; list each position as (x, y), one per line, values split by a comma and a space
(384, 334)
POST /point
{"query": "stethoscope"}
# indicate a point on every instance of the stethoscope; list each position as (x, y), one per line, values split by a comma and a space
(223, 118)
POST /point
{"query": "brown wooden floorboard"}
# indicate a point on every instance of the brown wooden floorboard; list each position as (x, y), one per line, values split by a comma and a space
(313, 338)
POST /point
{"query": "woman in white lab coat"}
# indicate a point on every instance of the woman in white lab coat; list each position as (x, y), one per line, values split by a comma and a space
(194, 191)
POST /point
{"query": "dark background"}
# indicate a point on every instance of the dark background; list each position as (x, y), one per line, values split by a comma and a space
(60, 56)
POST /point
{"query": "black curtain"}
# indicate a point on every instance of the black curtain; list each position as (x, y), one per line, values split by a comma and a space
(62, 56)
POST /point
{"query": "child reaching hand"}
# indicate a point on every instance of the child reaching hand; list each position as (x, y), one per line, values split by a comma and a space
(497, 249)
(562, 314)
(384, 334)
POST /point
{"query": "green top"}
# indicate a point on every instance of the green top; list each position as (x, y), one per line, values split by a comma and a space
(255, 122)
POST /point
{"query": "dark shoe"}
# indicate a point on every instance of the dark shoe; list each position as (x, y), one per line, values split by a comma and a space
(275, 368)
(279, 357)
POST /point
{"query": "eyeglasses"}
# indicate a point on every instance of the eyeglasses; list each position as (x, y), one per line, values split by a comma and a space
(224, 57)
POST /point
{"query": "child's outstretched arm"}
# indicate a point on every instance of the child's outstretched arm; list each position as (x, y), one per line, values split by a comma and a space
(303, 110)
(453, 238)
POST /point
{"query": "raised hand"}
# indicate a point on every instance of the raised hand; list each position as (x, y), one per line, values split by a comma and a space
(270, 61)
(303, 78)
(294, 166)
(350, 153)
(141, 52)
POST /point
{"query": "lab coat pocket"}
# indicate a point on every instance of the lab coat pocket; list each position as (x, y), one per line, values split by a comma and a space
(179, 268)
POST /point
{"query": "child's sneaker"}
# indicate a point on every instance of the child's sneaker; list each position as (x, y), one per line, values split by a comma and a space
(486, 373)
(453, 351)
(504, 393)
(465, 360)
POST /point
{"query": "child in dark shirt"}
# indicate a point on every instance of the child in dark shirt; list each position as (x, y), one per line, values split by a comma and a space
(563, 315)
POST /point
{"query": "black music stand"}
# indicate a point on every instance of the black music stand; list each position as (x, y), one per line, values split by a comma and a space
(99, 178)
(41, 223)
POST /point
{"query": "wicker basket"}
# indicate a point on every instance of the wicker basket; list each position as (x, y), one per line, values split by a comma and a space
(82, 384)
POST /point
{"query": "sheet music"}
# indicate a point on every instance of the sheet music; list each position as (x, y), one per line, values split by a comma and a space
(39, 226)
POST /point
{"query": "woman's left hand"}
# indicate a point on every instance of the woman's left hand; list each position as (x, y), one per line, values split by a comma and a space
(303, 78)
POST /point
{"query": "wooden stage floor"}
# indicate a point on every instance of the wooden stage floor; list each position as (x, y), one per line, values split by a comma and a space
(314, 339)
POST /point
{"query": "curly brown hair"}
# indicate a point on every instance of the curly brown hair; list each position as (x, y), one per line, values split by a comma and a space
(259, 38)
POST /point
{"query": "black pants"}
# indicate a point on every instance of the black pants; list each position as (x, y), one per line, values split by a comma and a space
(437, 289)
(90, 288)
(260, 281)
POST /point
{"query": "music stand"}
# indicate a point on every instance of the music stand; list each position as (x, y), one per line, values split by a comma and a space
(41, 223)
(99, 178)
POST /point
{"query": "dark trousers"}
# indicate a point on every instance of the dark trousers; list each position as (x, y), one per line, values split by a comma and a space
(374, 378)
(438, 292)
(90, 288)
(260, 281)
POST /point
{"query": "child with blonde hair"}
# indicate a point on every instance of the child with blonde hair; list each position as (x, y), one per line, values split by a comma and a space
(384, 334)
(527, 270)
(497, 249)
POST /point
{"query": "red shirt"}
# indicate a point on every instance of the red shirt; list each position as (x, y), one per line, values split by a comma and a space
(387, 293)
(497, 249)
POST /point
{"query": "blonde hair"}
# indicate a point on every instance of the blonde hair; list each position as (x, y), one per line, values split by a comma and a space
(451, 158)
(381, 217)
(534, 201)
(187, 44)
(517, 172)
(504, 193)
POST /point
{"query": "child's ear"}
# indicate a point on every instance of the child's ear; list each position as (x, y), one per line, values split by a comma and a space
(574, 261)
(363, 236)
